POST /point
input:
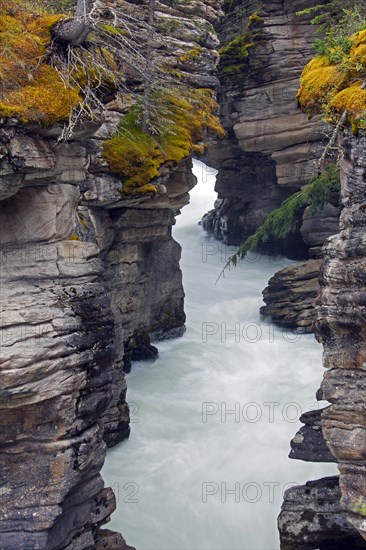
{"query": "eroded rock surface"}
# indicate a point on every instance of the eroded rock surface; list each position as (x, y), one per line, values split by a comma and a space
(340, 327)
(271, 144)
(291, 294)
(87, 279)
(312, 518)
(81, 279)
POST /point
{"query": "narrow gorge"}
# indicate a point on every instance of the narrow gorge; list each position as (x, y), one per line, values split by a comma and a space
(116, 333)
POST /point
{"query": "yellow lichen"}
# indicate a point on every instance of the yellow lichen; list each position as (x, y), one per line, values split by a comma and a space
(191, 56)
(333, 85)
(148, 188)
(352, 99)
(31, 89)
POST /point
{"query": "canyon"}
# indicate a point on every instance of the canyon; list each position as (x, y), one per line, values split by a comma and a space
(90, 280)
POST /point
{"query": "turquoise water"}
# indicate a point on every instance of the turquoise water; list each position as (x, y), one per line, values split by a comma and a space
(206, 464)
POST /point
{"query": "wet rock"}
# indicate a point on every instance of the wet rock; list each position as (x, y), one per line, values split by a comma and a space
(312, 519)
(291, 294)
(309, 443)
(271, 147)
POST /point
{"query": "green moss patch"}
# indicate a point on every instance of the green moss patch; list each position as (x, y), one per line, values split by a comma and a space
(137, 157)
(235, 56)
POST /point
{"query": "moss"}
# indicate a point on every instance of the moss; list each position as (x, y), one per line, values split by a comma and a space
(191, 56)
(148, 188)
(354, 100)
(98, 69)
(83, 220)
(74, 237)
(137, 157)
(31, 89)
(235, 56)
(332, 83)
(255, 19)
(279, 223)
(113, 30)
(359, 507)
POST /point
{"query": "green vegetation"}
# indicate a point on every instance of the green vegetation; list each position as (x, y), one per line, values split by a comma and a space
(279, 223)
(337, 21)
(235, 56)
(137, 156)
(332, 82)
(31, 89)
(192, 55)
(359, 507)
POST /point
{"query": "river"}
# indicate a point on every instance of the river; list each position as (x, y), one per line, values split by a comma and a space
(206, 463)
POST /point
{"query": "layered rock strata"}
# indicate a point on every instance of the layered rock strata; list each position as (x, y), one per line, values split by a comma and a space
(340, 327)
(78, 284)
(290, 296)
(271, 145)
(58, 352)
(87, 279)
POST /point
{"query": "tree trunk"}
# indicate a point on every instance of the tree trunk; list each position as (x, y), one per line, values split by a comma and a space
(149, 72)
(75, 31)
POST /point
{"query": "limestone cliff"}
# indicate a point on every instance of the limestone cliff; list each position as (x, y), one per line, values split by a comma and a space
(340, 327)
(271, 145)
(88, 276)
(291, 293)
(271, 148)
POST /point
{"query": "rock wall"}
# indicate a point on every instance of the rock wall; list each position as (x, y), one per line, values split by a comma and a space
(87, 279)
(271, 145)
(271, 148)
(290, 296)
(337, 432)
(78, 284)
(58, 352)
(340, 327)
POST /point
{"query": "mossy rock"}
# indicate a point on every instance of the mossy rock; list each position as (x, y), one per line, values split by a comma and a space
(31, 90)
(330, 87)
(137, 157)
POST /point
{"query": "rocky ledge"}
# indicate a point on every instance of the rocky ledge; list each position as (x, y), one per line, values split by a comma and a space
(339, 326)
(291, 294)
(312, 519)
(271, 146)
(88, 277)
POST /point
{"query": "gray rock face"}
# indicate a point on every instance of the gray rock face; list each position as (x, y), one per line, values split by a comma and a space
(340, 327)
(340, 429)
(309, 443)
(58, 354)
(271, 145)
(86, 280)
(79, 286)
(312, 519)
(291, 293)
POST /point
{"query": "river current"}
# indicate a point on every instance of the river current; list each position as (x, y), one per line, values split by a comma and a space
(207, 462)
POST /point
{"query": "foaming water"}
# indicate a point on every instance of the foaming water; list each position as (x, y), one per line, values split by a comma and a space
(206, 463)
